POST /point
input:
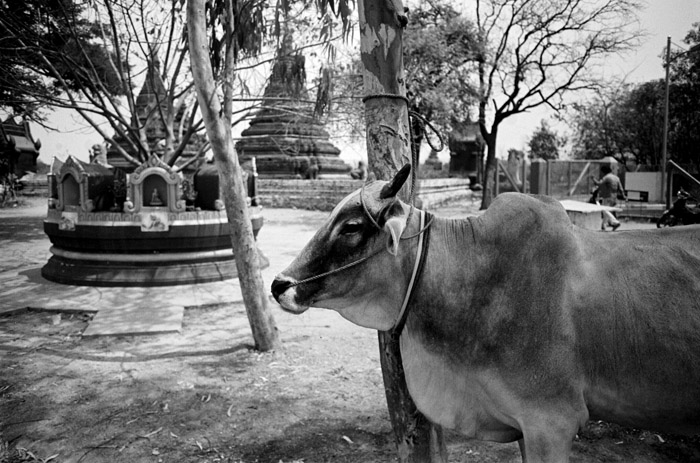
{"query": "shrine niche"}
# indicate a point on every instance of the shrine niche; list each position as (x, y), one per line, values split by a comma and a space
(285, 138)
(154, 187)
(83, 187)
(466, 150)
(52, 183)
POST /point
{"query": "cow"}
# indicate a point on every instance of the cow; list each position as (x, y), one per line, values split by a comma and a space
(516, 325)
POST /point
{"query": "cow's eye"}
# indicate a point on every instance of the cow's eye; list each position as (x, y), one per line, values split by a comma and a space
(351, 228)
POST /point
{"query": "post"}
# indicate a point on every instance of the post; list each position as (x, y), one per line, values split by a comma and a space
(388, 149)
(669, 189)
(497, 179)
(664, 145)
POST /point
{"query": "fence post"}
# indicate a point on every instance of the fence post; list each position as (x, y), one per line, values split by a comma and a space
(669, 186)
(548, 173)
(537, 177)
(497, 180)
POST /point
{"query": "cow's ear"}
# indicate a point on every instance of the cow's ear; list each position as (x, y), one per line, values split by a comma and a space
(392, 188)
(394, 228)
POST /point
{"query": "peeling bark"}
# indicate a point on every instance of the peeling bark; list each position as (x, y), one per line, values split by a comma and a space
(388, 149)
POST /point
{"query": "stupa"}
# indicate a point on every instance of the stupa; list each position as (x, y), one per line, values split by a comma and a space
(285, 137)
(152, 109)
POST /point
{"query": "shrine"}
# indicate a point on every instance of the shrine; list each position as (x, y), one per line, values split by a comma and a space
(466, 150)
(285, 137)
(18, 149)
(150, 237)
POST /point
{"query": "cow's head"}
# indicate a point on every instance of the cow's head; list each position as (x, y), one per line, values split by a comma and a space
(366, 224)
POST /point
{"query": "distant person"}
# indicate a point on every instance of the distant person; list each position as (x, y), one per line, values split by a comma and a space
(360, 173)
(609, 187)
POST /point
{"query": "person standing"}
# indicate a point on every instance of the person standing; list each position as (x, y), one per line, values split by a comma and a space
(609, 187)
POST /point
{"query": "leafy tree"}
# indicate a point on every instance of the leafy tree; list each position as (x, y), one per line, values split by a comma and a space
(440, 50)
(545, 143)
(40, 39)
(535, 52)
(628, 121)
(684, 101)
(622, 123)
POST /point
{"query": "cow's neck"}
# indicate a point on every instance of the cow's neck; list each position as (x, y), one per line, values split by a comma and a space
(443, 390)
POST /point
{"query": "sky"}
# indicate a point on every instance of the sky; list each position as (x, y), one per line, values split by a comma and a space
(660, 19)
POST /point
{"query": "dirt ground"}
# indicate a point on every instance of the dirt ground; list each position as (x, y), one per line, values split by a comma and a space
(204, 395)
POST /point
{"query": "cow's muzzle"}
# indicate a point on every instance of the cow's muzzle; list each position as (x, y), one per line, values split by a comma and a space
(279, 286)
(284, 292)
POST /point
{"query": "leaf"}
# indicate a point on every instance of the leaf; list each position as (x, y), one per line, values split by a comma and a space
(146, 436)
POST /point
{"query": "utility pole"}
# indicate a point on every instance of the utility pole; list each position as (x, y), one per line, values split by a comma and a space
(664, 146)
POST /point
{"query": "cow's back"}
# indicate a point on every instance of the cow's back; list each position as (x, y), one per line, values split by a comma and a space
(635, 302)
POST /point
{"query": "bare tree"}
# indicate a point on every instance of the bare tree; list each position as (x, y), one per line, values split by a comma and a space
(537, 51)
(144, 45)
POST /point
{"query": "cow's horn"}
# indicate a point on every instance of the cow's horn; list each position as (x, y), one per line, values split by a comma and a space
(392, 188)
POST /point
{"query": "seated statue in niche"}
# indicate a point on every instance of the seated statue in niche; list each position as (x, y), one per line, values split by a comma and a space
(313, 169)
(155, 198)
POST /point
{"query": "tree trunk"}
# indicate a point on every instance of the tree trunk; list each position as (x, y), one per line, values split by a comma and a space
(490, 170)
(388, 149)
(218, 129)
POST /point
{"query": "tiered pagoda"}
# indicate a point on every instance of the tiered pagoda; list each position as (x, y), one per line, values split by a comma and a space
(285, 138)
(152, 110)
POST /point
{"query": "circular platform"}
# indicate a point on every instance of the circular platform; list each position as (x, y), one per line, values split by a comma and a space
(125, 249)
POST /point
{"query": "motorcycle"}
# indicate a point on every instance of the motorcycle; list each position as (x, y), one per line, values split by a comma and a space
(679, 213)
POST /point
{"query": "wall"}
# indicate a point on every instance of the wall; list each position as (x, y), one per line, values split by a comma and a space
(325, 194)
(645, 181)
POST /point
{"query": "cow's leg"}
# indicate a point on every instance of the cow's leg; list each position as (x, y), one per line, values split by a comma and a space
(548, 440)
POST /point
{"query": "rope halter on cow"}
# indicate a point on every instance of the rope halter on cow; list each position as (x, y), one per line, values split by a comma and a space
(422, 234)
